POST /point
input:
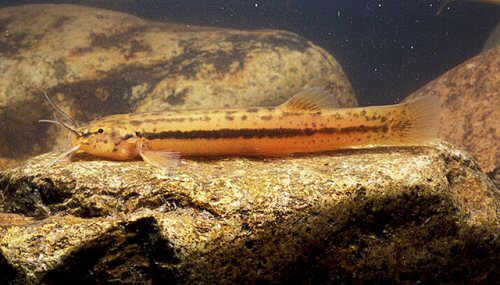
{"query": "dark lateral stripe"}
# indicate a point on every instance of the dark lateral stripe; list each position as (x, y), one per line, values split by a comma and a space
(257, 133)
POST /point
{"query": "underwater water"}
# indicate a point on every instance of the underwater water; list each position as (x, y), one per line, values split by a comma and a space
(388, 49)
(236, 142)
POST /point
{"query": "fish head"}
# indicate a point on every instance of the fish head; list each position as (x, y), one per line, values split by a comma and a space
(103, 140)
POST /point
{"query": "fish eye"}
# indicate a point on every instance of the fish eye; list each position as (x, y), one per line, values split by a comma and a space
(100, 130)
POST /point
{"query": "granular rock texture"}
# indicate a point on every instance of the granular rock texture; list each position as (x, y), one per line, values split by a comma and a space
(94, 62)
(408, 214)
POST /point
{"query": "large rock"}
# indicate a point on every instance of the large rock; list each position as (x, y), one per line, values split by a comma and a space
(95, 62)
(470, 100)
(408, 215)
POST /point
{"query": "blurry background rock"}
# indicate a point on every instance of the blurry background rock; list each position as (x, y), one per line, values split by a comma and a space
(470, 101)
(95, 62)
(402, 215)
(388, 49)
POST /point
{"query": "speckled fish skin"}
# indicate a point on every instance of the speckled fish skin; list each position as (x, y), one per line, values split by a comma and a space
(264, 131)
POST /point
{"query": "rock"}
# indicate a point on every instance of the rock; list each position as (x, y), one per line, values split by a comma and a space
(94, 62)
(494, 38)
(422, 214)
(470, 96)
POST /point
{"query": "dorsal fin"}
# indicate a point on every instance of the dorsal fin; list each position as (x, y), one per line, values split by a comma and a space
(311, 99)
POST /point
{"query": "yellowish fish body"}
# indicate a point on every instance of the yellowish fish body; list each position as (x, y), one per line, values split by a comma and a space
(309, 122)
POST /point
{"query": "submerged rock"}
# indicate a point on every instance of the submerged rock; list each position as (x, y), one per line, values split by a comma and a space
(470, 98)
(406, 214)
(96, 62)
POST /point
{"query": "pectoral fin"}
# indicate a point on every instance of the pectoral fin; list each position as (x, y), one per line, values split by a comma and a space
(162, 159)
(159, 158)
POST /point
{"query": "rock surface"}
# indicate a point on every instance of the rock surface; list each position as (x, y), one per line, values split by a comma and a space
(470, 100)
(95, 62)
(410, 214)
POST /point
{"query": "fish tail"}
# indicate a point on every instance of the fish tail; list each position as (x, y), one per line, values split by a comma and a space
(417, 121)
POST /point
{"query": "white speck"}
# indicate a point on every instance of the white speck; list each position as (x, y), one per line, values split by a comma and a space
(379, 5)
(338, 13)
(256, 5)
(430, 5)
(375, 69)
(411, 47)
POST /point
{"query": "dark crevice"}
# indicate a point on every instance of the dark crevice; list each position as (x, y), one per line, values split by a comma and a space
(50, 194)
(407, 213)
(7, 273)
(78, 267)
(495, 177)
(131, 254)
(22, 197)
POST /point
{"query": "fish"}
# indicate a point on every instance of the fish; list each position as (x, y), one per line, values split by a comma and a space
(309, 122)
(445, 3)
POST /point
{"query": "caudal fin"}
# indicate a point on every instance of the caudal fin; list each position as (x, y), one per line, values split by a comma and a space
(418, 121)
